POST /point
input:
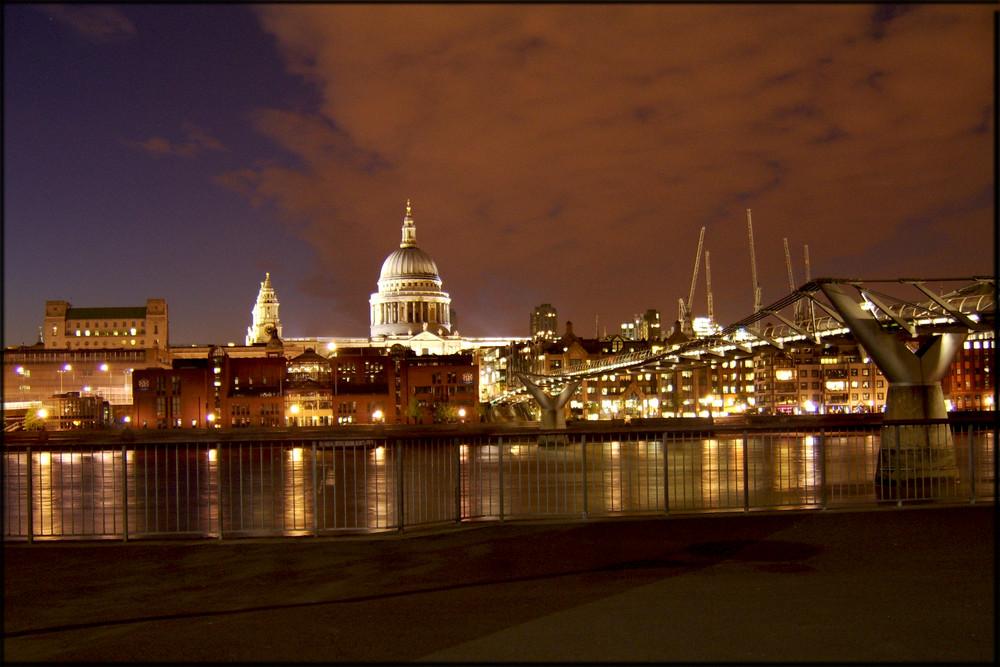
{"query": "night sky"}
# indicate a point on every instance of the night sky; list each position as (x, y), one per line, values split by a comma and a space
(562, 154)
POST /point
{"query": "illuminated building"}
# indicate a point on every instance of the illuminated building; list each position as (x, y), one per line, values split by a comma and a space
(645, 326)
(33, 375)
(409, 298)
(367, 386)
(142, 327)
(216, 391)
(265, 322)
(440, 389)
(544, 322)
(308, 390)
(65, 412)
(824, 379)
(970, 384)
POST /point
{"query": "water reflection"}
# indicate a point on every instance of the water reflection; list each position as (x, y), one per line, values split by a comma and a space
(247, 488)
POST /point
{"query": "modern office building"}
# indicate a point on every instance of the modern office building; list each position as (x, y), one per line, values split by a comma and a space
(544, 322)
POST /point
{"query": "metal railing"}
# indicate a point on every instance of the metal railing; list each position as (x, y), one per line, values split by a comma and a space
(287, 484)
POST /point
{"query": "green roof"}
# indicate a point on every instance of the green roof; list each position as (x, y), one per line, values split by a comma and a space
(128, 313)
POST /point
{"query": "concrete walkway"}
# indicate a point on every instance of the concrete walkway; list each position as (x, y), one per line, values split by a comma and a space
(889, 585)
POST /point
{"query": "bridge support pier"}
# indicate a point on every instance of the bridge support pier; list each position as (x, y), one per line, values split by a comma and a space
(553, 415)
(911, 453)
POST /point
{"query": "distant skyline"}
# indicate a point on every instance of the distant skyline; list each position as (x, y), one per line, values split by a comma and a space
(562, 154)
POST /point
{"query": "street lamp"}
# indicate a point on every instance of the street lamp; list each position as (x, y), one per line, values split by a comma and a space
(377, 416)
(61, 371)
(461, 415)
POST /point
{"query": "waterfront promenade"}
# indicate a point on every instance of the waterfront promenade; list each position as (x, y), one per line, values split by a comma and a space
(912, 584)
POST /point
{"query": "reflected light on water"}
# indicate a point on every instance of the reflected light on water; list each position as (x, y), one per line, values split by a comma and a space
(296, 453)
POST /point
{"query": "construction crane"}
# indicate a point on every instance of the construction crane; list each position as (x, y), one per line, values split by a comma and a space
(753, 266)
(791, 281)
(812, 306)
(686, 316)
(708, 287)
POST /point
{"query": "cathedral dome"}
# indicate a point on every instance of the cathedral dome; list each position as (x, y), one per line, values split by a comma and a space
(409, 262)
(409, 298)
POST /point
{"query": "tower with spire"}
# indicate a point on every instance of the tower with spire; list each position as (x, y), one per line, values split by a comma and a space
(265, 323)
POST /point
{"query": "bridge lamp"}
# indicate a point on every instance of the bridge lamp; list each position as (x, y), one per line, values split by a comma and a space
(461, 414)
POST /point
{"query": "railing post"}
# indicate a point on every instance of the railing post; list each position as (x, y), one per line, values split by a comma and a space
(583, 445)
(400, 505)
(746, 475)
(125, 493)
(972, 464)
(218, 483)
(822, 468)
(31, 499)
(500, 467)
(315, 493)
(666, 476)
(899, 487)
(458, 480)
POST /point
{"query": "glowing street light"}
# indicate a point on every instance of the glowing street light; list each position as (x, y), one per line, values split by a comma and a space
(61, 372)
(461, 415)
(377, 416)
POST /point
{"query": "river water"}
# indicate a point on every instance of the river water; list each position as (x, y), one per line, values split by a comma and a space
(314, 487)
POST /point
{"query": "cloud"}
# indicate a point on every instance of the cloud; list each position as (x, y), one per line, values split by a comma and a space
(99, 24)
(196, 141)
(574, 151)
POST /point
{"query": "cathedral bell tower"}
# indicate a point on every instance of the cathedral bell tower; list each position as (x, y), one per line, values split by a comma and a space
(265, 322)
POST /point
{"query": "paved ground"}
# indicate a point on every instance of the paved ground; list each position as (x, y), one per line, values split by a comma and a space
(900, 585)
